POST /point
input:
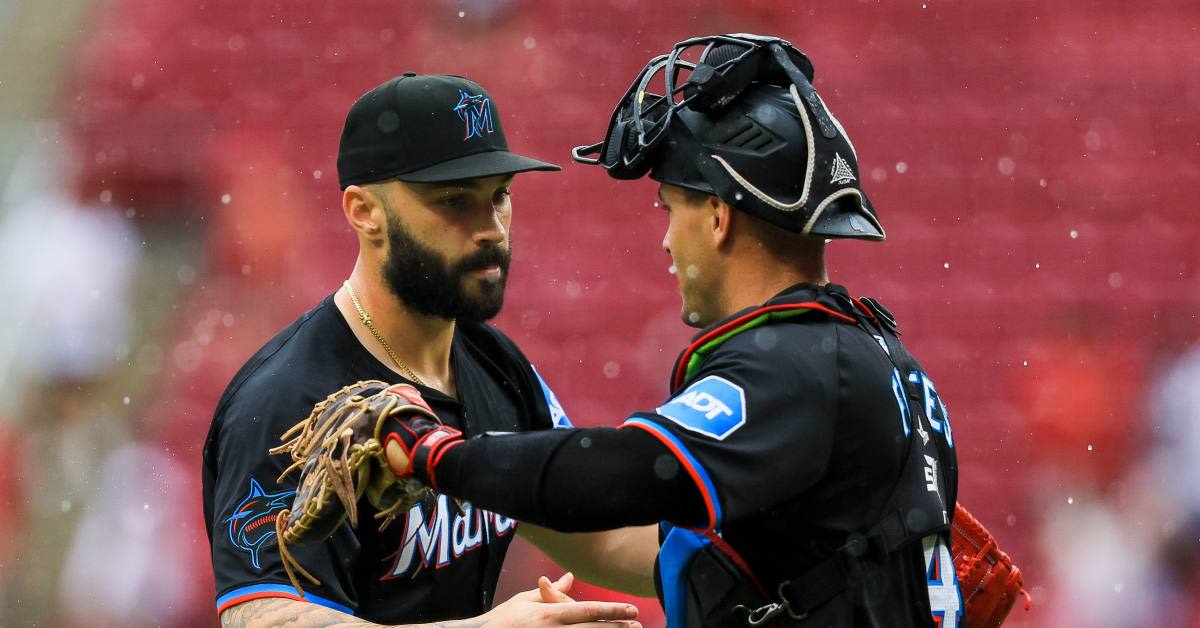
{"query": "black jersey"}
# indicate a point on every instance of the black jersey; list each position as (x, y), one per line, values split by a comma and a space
(795, 425)
(438, 562)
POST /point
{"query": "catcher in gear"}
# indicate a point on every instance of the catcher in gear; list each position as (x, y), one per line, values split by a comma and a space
(430, 204)
(803, 470)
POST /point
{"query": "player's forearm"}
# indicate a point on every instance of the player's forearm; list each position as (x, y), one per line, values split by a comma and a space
(270, 612)
(578, 480)
(621, 559)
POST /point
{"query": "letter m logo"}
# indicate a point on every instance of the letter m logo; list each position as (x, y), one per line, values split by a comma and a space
(476, 114)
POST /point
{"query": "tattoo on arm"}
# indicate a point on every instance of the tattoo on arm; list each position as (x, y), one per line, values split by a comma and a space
(264, 613)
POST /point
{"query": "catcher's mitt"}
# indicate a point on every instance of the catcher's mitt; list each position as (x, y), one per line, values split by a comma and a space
(987, 577)
(339, 452)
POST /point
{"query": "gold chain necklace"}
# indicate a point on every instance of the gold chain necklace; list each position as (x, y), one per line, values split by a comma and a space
(366, 320)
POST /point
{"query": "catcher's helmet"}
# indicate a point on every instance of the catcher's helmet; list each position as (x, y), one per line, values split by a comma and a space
(747, 126)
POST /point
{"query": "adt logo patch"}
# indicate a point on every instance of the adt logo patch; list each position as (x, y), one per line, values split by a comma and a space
(475, 112)
(713, 406)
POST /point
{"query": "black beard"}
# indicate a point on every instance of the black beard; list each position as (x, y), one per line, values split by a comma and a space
(426, 283)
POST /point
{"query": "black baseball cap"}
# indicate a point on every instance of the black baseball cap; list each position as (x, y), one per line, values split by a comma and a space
(427, 129)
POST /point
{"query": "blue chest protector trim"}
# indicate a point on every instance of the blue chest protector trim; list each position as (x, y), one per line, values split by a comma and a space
(674, 557)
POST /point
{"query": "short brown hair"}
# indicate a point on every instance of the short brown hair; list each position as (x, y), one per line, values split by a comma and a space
(695, 197)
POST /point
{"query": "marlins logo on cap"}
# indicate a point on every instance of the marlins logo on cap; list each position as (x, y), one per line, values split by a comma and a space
(426, 129)
(476, 112)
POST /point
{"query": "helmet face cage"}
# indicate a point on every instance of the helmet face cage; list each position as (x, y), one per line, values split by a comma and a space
(641, 118)
(698, 99)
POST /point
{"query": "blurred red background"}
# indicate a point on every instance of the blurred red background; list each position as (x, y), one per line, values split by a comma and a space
(1034, 165)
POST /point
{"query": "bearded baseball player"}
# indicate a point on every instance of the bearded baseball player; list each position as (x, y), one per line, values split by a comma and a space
(803, 469)
(426, 176)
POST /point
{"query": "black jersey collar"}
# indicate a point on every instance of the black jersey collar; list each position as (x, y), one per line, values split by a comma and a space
(831, 300)
(796, 294)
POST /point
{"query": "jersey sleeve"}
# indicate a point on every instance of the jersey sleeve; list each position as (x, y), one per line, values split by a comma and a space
(755, 425)
(247, 498)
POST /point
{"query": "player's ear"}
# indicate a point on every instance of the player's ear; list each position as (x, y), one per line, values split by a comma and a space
(720, 217)
(364, 211)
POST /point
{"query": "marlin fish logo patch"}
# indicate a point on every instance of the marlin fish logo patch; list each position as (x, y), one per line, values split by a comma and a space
(475, 112)
(253, 520)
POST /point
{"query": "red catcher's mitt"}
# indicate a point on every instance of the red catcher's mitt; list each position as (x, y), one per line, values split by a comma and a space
(987, 577)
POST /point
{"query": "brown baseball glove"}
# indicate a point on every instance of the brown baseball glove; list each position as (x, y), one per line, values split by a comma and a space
(989, 581)
(340, 454)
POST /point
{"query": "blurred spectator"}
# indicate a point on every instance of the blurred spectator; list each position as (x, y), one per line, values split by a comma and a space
(1174, 414)
(1100, 571)
(130, 563)
(71, 262)
(1174, 464)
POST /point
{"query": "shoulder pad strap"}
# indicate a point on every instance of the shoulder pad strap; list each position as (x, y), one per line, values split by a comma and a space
(882, 314)
(691, 357)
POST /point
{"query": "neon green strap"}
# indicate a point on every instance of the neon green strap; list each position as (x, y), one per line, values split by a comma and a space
(698, 356)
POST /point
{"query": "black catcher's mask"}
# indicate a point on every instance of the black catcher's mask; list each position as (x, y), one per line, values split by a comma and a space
(743, 122)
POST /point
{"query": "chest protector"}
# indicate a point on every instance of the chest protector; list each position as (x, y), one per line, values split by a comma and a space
(705, 583)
